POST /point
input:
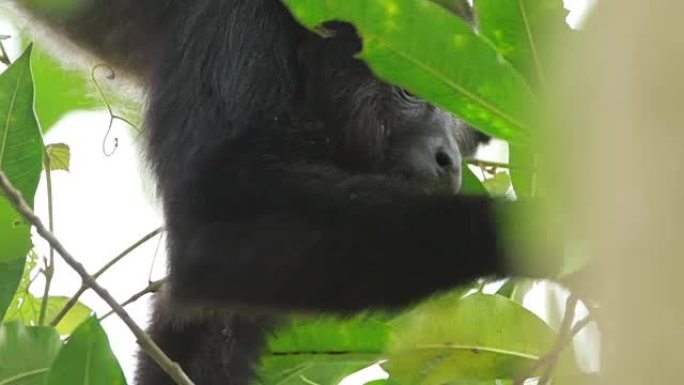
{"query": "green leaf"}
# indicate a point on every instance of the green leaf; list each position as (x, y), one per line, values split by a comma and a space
(322, 350)
(424, 48)
(21, 158)
(22, 294)
(26, 308)
(59, 156)
(10, 274)
(522, 30)
(461, 340)
(471, 185)
(498, 185)
(26, 353)
(86, 359)
(59, 89)
(523, 171)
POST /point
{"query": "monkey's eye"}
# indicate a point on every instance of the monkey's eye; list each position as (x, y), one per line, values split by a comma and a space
(408, 95)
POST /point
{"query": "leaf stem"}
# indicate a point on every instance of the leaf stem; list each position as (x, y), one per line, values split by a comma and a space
(152, 287)
(50, 264)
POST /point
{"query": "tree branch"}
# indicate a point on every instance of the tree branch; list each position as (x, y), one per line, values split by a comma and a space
(152, 287)
(171, 368)
(565, 335)
(74, 298)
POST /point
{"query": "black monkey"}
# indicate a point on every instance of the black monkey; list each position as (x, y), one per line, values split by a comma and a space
(292, 178)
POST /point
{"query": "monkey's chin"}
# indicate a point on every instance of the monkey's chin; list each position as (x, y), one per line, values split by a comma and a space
(445, 186)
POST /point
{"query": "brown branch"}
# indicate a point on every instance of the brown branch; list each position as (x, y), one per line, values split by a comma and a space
(566, 334)
(171, 368)
(74, 298)
(50, 264)
(152, 287)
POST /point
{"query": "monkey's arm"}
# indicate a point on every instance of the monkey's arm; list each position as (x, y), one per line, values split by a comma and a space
(313, 239)
(128, 34)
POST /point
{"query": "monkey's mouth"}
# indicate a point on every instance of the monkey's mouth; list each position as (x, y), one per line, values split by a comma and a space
(437, 184)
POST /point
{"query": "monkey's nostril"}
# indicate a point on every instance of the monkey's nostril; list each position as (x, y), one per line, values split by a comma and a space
(443, 159)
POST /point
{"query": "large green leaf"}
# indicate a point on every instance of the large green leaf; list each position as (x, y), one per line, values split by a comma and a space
(26, 308)
(423, 47)
(522, 30)
(463, 340)
(26, 353)
(21, 157)
(86, 359)
(322, 350)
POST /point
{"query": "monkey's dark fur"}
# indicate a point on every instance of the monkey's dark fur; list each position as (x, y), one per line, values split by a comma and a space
(292, 178)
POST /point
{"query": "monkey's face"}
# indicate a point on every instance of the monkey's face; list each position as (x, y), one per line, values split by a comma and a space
(381, 128)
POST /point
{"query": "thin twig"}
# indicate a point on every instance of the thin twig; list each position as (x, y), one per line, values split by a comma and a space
(565, 335)
(112, 116)
(50, 265)
(165, 363)
(152, 287)
(74, 298)
(552, 361)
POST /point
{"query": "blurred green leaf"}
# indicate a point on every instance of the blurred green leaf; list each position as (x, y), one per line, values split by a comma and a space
(477, 338)
(86, 359)
(523, 171)
(61, 89)
(26, 353)
(322, 350)
(507, 289)
(522, 31)
(27, 310)
(59, 156)
(499, 185)
(21, 158)
(471, 184)
(422, 47)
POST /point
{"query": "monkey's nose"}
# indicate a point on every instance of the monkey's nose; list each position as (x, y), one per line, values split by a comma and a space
(445, 161)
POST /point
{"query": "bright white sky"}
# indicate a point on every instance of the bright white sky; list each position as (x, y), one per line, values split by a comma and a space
(103, 205)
